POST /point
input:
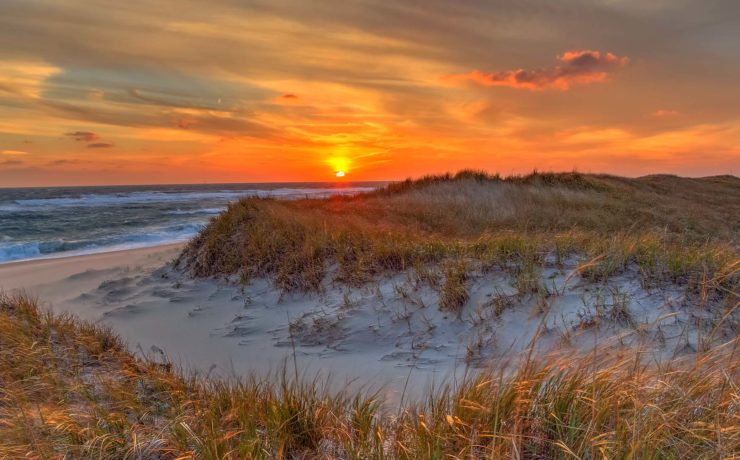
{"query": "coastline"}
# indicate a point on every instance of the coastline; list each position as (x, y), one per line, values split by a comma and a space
(61, 255)
(31, 274)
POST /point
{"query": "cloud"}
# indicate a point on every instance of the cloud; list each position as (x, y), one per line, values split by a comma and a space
(11, 162)
(83, 136)
(575, 67)
(99, 145)
(13, 152)
(184, 106)
(664, 113)
(288, 99)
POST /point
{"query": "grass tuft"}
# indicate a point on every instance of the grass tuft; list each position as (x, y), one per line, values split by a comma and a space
(454, 293)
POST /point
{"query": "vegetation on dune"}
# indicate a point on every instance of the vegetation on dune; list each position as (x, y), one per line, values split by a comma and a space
(70, 390)
(454, 294)
(673, 229)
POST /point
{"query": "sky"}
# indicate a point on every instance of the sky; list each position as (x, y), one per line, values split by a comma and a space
(165, 91)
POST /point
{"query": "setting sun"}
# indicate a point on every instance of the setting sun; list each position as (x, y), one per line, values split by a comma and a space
(339, 164)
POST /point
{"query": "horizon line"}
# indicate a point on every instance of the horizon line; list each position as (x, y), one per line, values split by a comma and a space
(349, 182)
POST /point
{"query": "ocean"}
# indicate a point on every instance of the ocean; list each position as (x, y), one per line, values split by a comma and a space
(60, 221)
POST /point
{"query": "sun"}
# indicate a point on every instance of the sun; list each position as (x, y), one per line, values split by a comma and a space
(340, 164)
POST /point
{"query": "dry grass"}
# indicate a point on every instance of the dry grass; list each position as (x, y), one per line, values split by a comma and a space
(454, 294)
(673, 229)
(70, 390)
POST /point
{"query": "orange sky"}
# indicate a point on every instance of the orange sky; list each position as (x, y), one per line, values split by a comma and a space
(103, 92)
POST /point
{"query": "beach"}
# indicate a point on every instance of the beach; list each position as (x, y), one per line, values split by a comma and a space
(64, 278)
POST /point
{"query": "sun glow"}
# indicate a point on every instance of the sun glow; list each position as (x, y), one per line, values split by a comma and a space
(339, 164)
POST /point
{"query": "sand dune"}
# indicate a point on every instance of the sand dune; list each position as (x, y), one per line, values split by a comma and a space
(375, 336)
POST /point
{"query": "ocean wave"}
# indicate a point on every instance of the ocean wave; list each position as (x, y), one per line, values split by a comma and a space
(17, 251)
(173, 197)
(29, 249)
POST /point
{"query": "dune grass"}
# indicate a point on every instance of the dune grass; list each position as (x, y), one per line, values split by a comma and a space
(672, 229)
(70, 390)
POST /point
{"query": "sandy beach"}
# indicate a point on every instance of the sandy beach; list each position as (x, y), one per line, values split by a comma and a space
(62, 277)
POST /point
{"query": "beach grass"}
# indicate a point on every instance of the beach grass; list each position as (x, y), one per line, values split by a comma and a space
(672, 229)
(71, 390)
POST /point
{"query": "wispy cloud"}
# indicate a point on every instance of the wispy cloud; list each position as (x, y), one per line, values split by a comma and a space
(13, 152)
(664, 113)
(576, 67)
(83, 136)
(99, 145)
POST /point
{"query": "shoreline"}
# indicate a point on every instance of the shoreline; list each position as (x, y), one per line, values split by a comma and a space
(58, 279)
(84, 253)
(63, 256)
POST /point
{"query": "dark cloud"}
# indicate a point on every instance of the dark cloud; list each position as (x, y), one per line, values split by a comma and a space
(83, 136)
(576, 67)
(99, 145)
(236, 123)
(11, 162)
(289, 96)
(464, 33)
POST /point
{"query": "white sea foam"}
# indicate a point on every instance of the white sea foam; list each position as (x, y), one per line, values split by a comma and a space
(19, 251)
(59, 248)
